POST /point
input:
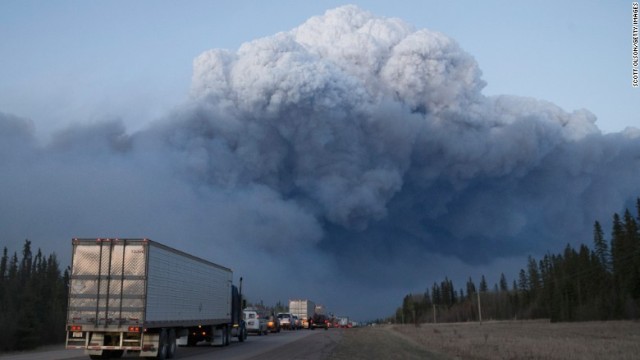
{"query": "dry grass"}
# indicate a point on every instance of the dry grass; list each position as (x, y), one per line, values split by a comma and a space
(381, 342)
(528, 339)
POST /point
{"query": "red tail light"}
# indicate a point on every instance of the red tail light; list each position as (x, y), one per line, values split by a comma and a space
(134, 329)
(75, 328)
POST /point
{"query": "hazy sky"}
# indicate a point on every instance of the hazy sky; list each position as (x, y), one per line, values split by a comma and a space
(350, 155)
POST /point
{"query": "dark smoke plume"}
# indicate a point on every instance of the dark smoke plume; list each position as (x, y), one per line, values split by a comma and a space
(354, 151)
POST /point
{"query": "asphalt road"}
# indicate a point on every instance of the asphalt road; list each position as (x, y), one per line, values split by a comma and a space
(301, 344)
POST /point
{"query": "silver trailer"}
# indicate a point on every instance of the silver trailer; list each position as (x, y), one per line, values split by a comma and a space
(303, 309)
(139, 296)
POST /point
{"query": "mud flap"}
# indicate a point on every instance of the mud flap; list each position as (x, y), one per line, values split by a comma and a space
(150, 344)
(219, 334)
(97, 339)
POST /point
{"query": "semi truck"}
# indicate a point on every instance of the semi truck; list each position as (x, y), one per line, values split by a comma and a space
(303, 309)
(145, 298)
(343, 322)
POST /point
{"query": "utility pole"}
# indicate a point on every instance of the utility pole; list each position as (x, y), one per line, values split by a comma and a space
(434, 313)
(479, 308)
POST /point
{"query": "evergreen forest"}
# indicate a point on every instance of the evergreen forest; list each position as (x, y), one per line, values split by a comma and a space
(33, 300)
(598, 283)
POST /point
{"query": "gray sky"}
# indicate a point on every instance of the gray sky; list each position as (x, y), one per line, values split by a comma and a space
(349, 157)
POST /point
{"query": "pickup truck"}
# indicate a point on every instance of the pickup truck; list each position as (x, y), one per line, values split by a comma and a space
(286, 321)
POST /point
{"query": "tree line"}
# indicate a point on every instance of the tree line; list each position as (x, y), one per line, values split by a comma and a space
(598, 283)
(33, 300)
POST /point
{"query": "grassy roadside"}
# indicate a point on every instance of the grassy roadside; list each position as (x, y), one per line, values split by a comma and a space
(528, 339)
(380, 342)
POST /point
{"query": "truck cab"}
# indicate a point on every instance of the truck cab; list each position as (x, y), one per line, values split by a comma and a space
(255, 322)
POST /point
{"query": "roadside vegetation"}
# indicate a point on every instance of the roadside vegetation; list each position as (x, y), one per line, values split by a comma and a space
(602, 283)
(380, 342)
(522, 339)
(528, 339)
(33, 300)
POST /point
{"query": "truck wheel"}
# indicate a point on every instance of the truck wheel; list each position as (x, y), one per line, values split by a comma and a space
(242, 334)
(172, 347)
(162, 345)
(225, 335)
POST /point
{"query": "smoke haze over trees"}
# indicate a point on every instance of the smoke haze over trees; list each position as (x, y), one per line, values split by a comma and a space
(602, 283)
(355, 140)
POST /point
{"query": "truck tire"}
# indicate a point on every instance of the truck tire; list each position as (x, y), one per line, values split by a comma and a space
(225, 335)
(162, 345)
(172, 347)
(242, 336)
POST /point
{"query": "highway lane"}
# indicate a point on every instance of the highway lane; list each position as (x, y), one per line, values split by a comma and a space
(302, 344)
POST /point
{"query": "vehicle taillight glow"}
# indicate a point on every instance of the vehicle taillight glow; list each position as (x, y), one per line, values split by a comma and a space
(75, 328)
(134, 329)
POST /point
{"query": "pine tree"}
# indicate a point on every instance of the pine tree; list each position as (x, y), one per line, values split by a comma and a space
(626, 272)
(26, 262)
(601, 247)
(504, 287)
(436, 294)
(13, 267)
(3, 264)
(632, 245)
(471, 289)
(3, 275)
(483, 285)
(533, 276)
(523, 282)
(446, 293)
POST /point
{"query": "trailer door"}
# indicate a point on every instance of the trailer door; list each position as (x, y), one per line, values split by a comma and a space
(107, 286)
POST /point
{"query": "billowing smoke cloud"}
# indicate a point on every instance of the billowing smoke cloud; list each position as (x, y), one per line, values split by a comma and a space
(351, 155)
